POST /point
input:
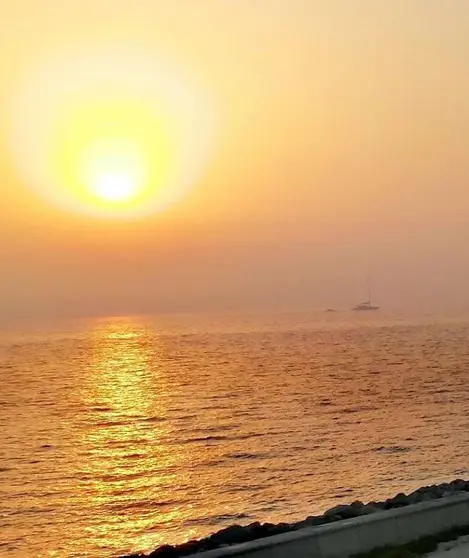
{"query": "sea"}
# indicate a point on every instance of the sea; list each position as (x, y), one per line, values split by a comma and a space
(121, 434)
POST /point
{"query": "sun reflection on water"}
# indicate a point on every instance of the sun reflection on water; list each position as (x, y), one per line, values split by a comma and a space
(129, 466)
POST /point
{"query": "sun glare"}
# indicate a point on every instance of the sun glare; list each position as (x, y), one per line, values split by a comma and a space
(114, 187)
(119, 134)
(114, 171)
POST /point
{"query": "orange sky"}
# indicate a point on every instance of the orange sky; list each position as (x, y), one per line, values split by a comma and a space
(342, 147)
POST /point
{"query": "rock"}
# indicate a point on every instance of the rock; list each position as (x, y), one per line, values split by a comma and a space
(259, 531)
(231, 535)
(354, 510)
(369, 509)
(398, 501)
(414, 498)
(283, 528)
(331, 518)
(345, 512)
(188, 548)
(338, 511)
(379, 505)
(209, 544)
(426, 496)
(459, 485)
(267, 530)
(165, 551)
(425, 493)
(256, 530)
(310, 521)
(442, 490)
(204, 544)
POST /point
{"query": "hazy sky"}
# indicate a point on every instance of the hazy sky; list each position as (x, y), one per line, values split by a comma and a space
(343, 148)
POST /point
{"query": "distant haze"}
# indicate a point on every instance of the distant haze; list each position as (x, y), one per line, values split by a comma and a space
(343, 151)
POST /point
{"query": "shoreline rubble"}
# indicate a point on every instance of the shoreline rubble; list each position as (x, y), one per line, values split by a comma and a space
(236, 534)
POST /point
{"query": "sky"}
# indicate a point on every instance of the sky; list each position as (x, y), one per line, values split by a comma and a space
(340, 150)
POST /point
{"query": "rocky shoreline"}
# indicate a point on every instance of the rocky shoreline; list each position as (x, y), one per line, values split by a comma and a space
(236, 534)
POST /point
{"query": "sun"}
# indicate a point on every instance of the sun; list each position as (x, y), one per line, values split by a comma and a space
(114, 170)
(120, 134)
(115, 187)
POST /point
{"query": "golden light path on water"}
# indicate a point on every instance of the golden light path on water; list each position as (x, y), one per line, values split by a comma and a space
(110, 132)
(127, 384)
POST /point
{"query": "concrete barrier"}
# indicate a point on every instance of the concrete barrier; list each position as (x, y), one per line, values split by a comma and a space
(360, 534)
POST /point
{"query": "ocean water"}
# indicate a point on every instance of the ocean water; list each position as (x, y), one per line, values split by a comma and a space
(121, 434)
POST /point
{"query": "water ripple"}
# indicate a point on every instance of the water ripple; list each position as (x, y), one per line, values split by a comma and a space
(128, 435)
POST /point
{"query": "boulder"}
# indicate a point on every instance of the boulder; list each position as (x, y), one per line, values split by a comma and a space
(398, 501)
(378, 505)
(337, 510)
(369, 509)
(345, 512)
(331, 518)
(165, 551)
(231, 535)
(414, 498)
(266, 530)
(283, 528)
(188, 548)
(459, 485)
(310, 521)
(257, 530)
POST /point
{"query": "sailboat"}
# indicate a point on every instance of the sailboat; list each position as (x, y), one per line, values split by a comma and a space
(366, 305)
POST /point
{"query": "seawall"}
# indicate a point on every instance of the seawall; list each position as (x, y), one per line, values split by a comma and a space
(351, 536)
